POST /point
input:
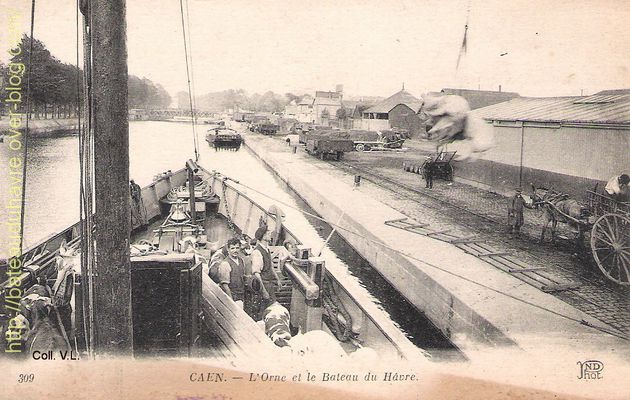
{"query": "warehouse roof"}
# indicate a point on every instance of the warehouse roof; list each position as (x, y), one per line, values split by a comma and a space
(600, 109)
(481, 98)
(402, 97)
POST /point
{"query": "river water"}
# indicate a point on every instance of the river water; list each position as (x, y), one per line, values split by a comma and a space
(52, 203)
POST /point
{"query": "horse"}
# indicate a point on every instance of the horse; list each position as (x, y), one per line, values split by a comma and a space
(558, 207)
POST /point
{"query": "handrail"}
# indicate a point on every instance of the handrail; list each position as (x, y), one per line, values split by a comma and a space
(303, 282)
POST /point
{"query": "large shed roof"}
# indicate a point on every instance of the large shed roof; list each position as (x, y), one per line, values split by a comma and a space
(598, 109)
(481, 98)
(402, 97)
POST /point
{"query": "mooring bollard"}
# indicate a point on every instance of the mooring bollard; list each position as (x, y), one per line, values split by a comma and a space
(357, 180)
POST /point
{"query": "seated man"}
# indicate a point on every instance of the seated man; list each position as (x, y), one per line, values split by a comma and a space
(231, 272)
(617, 188)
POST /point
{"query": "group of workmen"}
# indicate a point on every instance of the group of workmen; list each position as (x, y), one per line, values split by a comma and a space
(243, 269)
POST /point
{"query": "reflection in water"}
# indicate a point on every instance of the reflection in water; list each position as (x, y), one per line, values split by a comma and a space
(53, 202)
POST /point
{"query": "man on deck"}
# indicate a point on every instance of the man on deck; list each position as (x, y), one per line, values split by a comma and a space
(231, 272)
(138, 217)
(261, 265)
(617, 187)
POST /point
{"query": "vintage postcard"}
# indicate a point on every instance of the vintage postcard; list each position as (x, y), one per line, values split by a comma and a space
(213, 200)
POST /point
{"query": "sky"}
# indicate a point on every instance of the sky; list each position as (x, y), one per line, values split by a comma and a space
(533, 47)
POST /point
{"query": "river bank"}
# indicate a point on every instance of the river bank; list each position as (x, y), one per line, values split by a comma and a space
(43, 127)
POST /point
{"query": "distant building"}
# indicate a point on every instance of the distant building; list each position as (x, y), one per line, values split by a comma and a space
(400, 110)
(354, 113)
(291, 109)
(325, 106)
(305, 110)
(481, 98)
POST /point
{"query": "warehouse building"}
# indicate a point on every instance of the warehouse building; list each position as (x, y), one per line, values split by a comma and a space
(400, 111)
(568, 143)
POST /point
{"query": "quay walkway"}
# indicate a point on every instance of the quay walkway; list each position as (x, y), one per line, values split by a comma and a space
(474, 304)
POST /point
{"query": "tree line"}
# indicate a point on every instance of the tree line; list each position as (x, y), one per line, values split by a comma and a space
(238, 99)
(56, 88)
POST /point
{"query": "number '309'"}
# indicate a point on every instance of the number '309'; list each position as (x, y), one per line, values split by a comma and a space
(25, 378)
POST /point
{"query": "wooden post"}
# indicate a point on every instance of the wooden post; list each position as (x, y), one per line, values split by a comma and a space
(112, 283)
(316, 270)
(192, 168)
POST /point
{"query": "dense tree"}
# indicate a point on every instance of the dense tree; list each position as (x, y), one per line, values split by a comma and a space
(145, 94)
(235, 99)
(56, 87)
(291, 97)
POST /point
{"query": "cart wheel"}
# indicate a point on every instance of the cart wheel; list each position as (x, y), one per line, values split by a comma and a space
(368, 147)
(449, 172)
(610, 243)
(360, 147)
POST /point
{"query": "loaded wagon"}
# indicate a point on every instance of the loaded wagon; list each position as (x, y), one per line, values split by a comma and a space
(377, 140)
(268, 128)
(322, 147)
(610, 236)
(608, 221)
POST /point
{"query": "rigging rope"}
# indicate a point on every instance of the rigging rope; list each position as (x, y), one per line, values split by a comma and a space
(192, 68)
(190, 94)
(26, 132)
(82, 229)
(86, 157)
(395, 250)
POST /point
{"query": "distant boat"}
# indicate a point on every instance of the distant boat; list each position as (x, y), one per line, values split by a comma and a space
(224, 137)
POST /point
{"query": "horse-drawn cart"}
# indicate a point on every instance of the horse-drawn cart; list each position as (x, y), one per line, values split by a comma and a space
(607, 220)
(610, 237)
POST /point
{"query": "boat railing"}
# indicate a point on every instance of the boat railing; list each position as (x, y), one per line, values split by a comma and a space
(37, 260)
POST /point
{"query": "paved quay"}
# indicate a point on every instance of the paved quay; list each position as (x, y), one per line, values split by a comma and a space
(472, 302)
(475, 211)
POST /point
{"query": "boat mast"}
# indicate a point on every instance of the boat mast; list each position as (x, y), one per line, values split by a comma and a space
(112, 281)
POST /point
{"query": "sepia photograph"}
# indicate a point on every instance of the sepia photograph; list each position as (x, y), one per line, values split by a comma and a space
(409, 199)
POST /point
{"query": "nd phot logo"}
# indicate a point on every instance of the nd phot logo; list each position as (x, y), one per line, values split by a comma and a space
(591, 369)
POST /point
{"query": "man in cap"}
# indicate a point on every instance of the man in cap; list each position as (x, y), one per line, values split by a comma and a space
(428, 172)
(515, 211)
(231, 272)
(262, 268)
(617, 187)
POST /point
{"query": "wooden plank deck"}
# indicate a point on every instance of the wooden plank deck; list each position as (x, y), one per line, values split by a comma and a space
(238, 333)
